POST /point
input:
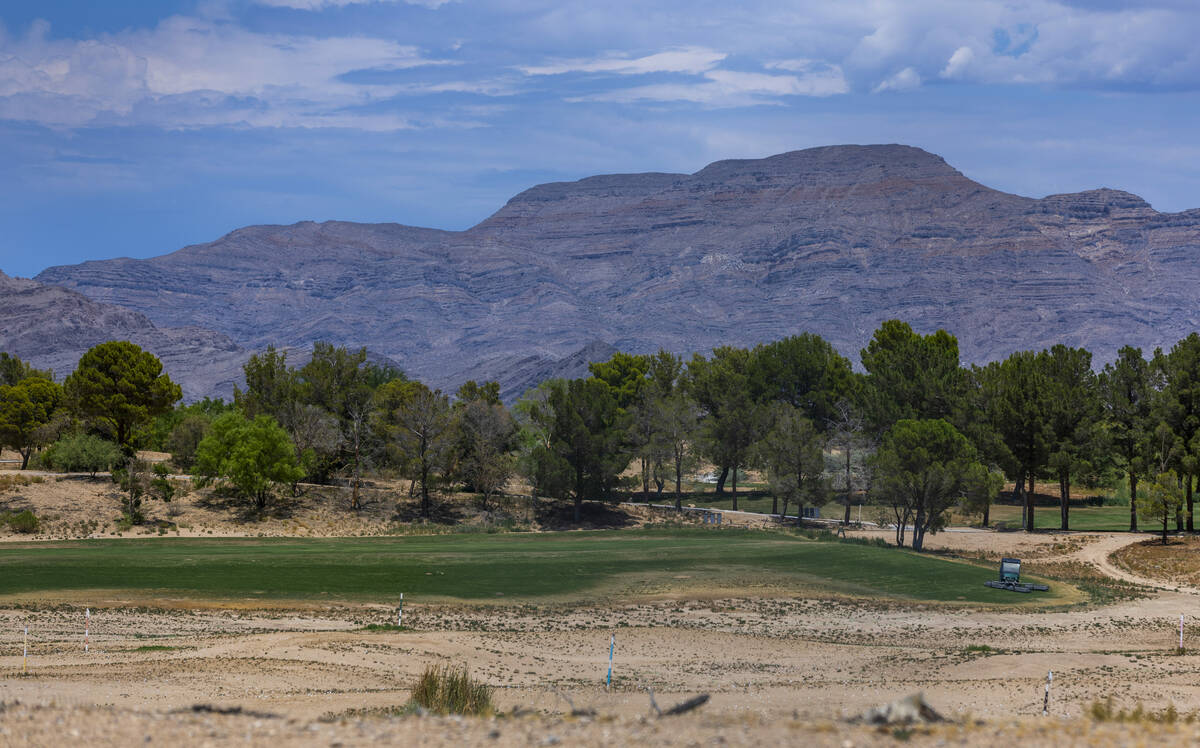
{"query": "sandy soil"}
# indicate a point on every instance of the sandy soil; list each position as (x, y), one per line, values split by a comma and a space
(779, 668)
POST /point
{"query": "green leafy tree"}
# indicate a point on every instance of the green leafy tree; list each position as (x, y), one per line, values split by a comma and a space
(13, 370)
(470, 391)
(488, 431)
(185, 439)
(588, 432)
(911, 376)
(625, 375)
(422, 432)
(804, 371)
(846, 433)
(1162, 502)
(675, 417)
(119, 387)
(793, 453)
(253, 456)
(1074, 418)
(1127, 392)
(1178, 405)
(982, 488)
(922, 468)
(336, 379)
(26, 409)
(730, 420)
(548, 473)
(82, 453)
(272, 387)
(1014, 397)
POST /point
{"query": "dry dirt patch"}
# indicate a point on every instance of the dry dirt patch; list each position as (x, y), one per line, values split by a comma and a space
(1177, 562)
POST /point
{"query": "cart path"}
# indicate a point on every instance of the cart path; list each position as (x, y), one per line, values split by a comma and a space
(1098, 554)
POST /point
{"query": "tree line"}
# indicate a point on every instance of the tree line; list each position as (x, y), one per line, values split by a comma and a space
(914, 430)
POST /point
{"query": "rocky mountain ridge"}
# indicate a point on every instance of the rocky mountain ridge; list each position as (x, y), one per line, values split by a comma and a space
(52, 327)
(830, 240)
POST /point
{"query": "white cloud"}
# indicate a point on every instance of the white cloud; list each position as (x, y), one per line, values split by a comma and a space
(691, 60)
(193, 72)
(958, 62)
(905, 80)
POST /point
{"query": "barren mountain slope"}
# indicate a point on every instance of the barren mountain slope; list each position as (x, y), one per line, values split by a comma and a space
(52, 327)
(830, 240)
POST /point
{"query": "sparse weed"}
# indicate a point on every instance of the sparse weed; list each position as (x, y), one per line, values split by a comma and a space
(1104, 711)
(24, 522)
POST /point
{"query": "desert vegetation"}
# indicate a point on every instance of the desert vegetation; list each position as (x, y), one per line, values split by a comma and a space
(915, 435)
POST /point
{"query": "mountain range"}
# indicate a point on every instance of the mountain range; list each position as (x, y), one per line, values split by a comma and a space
(830, 240)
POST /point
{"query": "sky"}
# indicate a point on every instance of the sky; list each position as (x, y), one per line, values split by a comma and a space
(136, 127)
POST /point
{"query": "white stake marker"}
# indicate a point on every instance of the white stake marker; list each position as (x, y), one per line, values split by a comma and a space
(1046, 701)
(1180, 632)
(25, 653)
(87, 626)
(400, 611)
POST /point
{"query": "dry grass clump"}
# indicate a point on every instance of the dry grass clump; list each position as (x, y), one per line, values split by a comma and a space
(11, 482)
(443, 690)
(1104, 711)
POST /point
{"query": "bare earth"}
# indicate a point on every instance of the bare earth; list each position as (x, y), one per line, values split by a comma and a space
(779, 668)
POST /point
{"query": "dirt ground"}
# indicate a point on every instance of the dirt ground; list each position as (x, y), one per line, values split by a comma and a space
(778, 669)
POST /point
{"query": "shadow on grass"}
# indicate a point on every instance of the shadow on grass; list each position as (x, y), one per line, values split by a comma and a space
(560, 515)
(227, 500)
(440, 512)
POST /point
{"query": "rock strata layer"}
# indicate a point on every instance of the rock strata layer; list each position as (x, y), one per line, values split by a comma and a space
(828, 240)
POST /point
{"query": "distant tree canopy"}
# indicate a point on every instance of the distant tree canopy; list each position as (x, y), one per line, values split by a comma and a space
(13, 370)
(793, 409)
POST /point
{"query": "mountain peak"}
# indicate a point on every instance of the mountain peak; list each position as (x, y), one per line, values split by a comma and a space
(837, 165)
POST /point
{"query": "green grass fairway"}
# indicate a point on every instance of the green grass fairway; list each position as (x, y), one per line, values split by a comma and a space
(1082, 518)
(571, 565)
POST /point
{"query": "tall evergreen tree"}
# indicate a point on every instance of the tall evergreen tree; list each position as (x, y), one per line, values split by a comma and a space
(804, 371)
(588, 433)
(1179, 407)
(1128, 387)
(1014, 394)
(730, 418)
(911, 376)
(120, 388)
(1074, 414)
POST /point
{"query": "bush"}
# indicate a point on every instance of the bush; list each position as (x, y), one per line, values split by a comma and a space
(82, 453)
(24, 522)
(445, 691)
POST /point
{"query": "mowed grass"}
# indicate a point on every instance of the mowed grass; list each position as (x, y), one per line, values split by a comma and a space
(1114, 518)
(483, 567)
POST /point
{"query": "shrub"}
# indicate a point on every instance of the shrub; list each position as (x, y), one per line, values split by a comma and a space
(445, 691)
(24, 522)
(82, 453)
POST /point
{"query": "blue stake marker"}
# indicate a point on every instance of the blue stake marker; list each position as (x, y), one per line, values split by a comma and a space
(611, 645)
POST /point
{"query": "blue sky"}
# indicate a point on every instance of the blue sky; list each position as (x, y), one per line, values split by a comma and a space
(135, 127)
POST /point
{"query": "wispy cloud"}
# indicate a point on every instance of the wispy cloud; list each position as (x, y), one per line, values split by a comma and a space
(194, 72)
(687, 60)
(730, 88)
(323, 4)
(905, 80)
